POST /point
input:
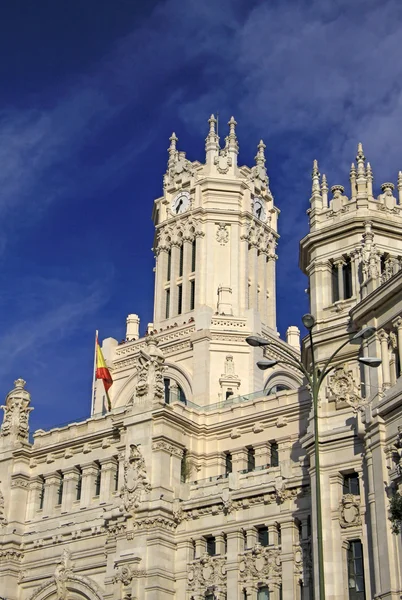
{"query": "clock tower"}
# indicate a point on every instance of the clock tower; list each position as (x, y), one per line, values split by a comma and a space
(216, 235)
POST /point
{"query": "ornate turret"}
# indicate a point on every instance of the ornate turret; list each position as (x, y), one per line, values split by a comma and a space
(341, 268)
(15, 427)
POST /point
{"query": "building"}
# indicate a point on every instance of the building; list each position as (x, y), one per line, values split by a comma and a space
(197, 484)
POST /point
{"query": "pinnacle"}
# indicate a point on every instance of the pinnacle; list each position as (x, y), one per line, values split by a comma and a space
(315, 169)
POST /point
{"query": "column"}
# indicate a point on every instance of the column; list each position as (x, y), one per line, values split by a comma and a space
(52, 482)
(262, 457)
(35, 488)
(288, 578)
(273, 534)
(386, 375)
(71, 476)
(174, 274)
(220, 544)
(108, 466)
(243, 276)
(366, 371)
(89, 473)
(235, 547)
(183, 557)
(160, 280)
(200, 547)
(187, 249)
(339, 265)
(271, 292)
(251, 537)
(398, 325)
(253, 269)
(200, 271)
(354, 258)
(239, 459)
(262, 285)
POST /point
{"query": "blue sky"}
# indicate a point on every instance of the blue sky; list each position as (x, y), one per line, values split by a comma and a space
(91, 91)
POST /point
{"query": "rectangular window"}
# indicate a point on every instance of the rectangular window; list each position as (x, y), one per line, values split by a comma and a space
(356, 571)
(60, 489)
(179, 299)
(167, 307)
(279, 533)
(228, 463)
(250, 459)
(262, 536)
(98, 481)
(274, 455)
(184, 467)
(116, 476)
(192, 294)
(263, 593)
(42, 494)
(79, 484)
(166, 384)
(335, 288)
(351, 484)
(347, 279)
(211, 545)
(169, 266)
(193, 255)
(181, 261)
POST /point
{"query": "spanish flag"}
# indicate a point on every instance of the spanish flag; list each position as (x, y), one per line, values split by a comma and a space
(102, 372)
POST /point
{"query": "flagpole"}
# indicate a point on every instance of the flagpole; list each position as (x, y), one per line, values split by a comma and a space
(94, 377)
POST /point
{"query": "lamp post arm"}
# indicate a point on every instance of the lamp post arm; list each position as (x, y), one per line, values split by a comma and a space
(283, 349)
(299, 366)
(327, 363)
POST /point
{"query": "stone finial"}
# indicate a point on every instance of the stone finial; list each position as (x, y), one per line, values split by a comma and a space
(260, 156)
(360, 159)
(324, 191)
(353, 188)
(315, 176)
(369, 178)
(212, 141)
(172, 148)
(233, 145)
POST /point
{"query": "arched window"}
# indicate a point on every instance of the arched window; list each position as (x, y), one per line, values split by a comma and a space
(279, 387)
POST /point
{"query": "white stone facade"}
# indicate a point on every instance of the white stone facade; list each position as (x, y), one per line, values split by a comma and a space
(198, 482)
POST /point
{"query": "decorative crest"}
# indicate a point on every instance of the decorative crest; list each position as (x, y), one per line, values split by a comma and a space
(15, 425)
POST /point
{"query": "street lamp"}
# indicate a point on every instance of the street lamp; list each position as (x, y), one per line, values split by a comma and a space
(315, 377)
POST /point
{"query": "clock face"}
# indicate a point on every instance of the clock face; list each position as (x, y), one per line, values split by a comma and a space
(259, 209)
(181, 203)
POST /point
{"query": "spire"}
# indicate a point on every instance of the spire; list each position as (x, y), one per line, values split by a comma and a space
(260, 156)
(400, 187)
(316, 201)
(315, 176)
(172, 148)
(324, 191)
(361, 172)
(211, 141)
(369, 177)
(353, 182)
(233, 145)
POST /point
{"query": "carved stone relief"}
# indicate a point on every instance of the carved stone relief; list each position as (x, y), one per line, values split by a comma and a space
(135, 480)
(260, 563)
(222, 234)
(3, 520)
(349, 511)
(16, 413)
(207, 572)
(343, 388)
(150, 371)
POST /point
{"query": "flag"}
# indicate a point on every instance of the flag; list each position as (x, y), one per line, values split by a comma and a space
(102, 372)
